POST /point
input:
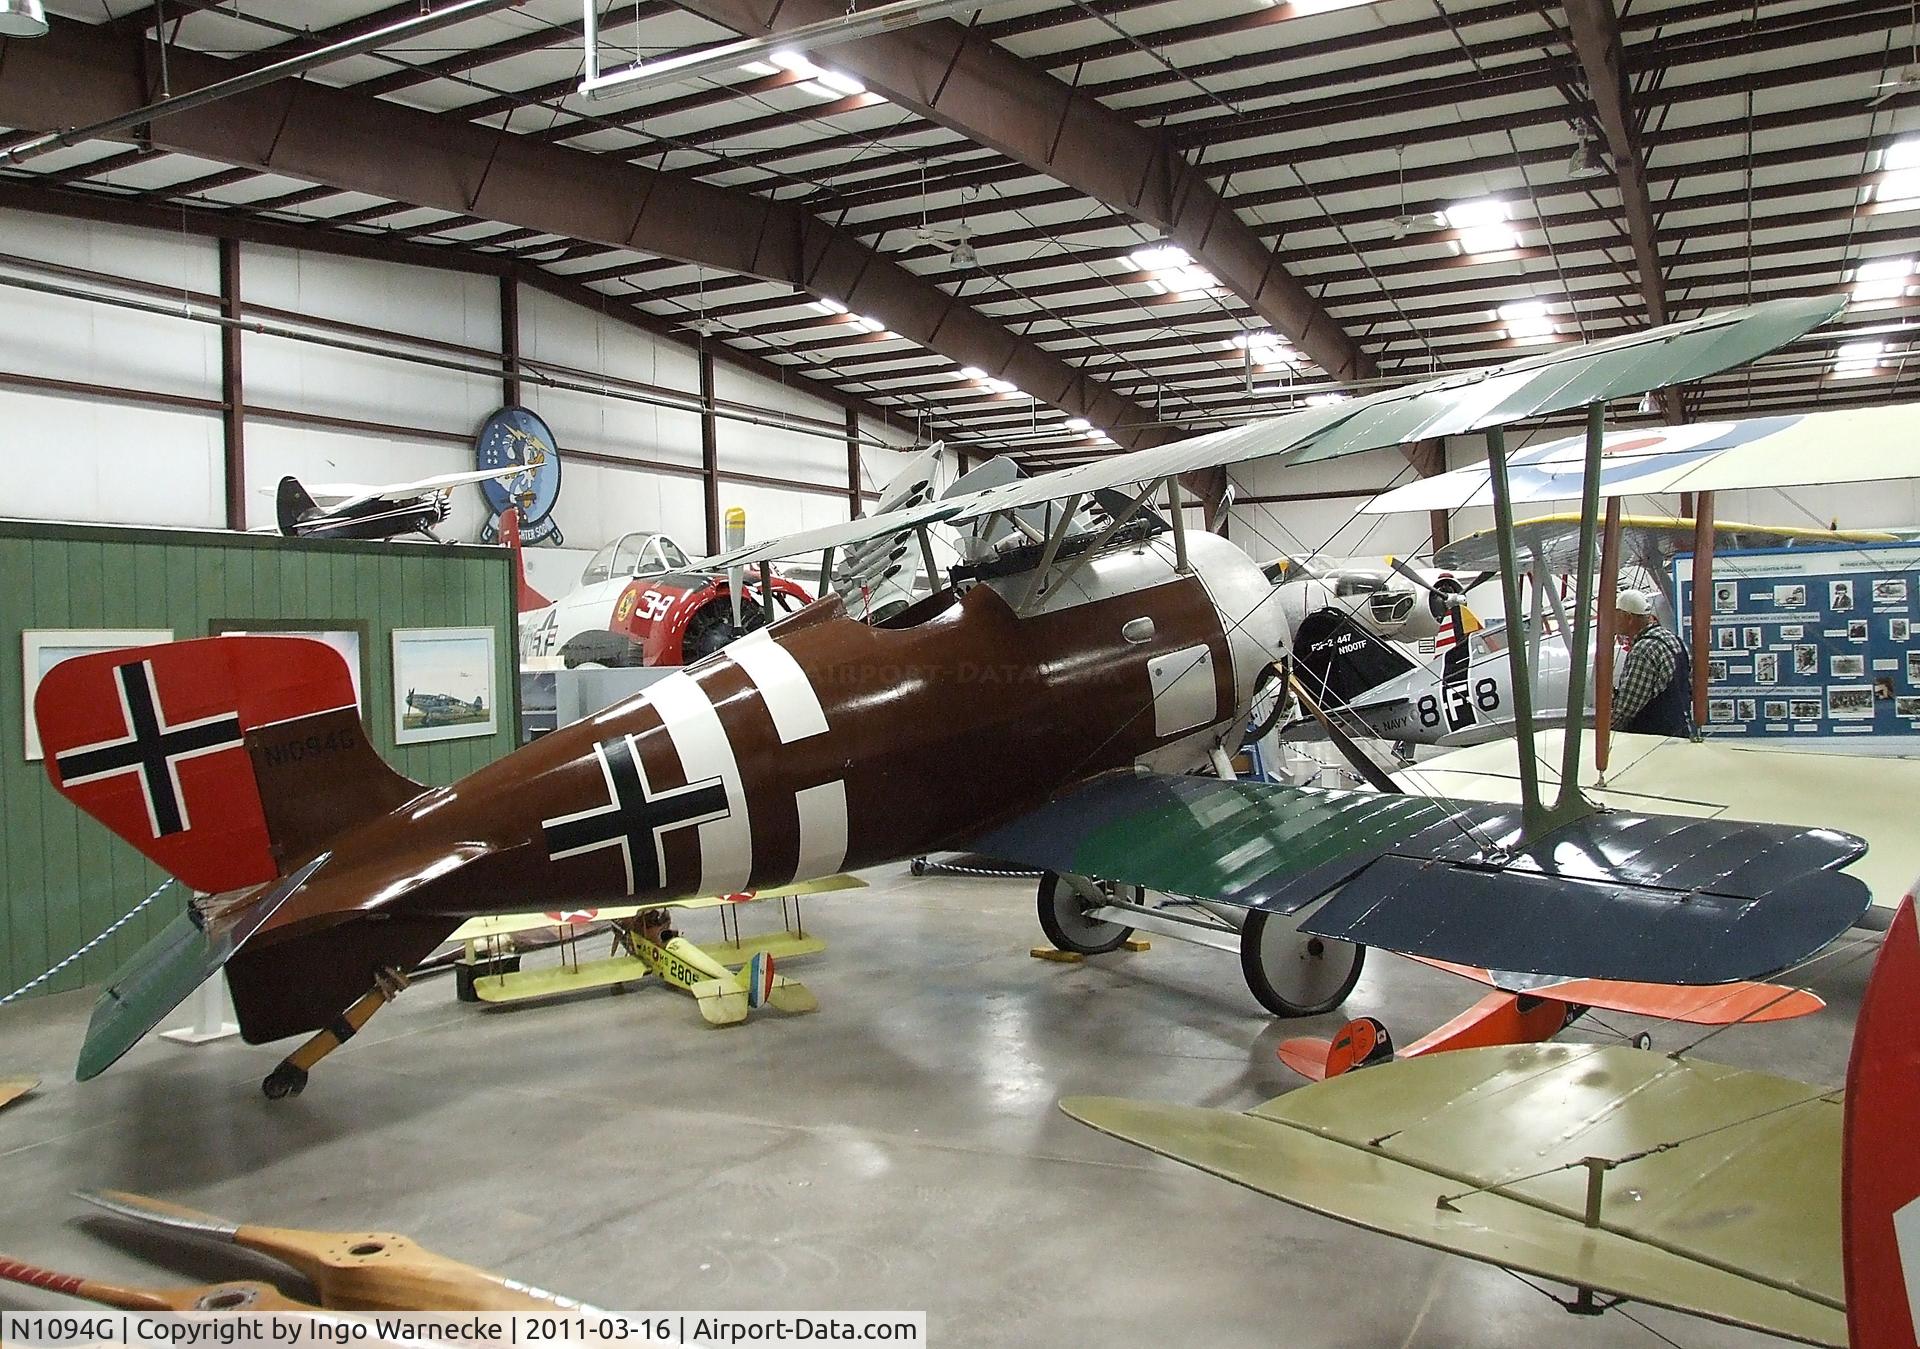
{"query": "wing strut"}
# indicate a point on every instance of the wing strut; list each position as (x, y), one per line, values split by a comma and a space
(1537, 817)
(1702, 601)
(1603, 638)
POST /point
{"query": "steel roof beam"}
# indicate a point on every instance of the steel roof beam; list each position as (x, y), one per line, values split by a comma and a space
(944, 72)
(78, 75)
(1595, 31)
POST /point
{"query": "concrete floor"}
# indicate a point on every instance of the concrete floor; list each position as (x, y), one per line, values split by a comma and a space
(899, 1149)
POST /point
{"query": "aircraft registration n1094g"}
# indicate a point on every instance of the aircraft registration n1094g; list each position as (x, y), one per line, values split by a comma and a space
(1048, 705)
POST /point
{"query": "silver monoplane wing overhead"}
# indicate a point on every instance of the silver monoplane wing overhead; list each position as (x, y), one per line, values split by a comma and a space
(1567, 378)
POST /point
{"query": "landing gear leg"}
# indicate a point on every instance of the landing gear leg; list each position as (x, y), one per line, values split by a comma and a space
(1292, 973)
(290, 1078)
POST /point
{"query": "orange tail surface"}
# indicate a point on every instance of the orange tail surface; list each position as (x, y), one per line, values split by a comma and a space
(529, 598)
(1880, 1173)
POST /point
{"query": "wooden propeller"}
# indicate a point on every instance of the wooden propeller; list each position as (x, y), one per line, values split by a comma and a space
(207, 1297)
(351, 1271)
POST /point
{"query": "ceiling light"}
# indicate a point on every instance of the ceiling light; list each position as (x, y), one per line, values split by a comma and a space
(1854, 359)
(1482, 225)
(797, 63)
(827, 306)
(1900, 172)
(1000, 385)
(1326, 400)
(1079, 424)
(842, 84)
(1878, 283)
(1266, 349)
(1527, 319)
(23, 18)
(872, 325)
(1585, 162)
(1160, 257)
(973, 372)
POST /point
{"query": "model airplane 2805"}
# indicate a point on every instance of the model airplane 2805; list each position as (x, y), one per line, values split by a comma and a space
(1047, 704)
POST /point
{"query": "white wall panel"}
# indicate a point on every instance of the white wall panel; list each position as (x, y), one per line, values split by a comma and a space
(117, 463)
(161, 257)
(285, 373)
(555, 331)
(598, 504)
(446, 306)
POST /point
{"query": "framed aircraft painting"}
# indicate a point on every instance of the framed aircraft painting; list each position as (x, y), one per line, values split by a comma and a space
(43, 648)
(443, 684)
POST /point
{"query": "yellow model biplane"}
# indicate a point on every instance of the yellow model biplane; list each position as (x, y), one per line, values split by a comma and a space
(727, 979)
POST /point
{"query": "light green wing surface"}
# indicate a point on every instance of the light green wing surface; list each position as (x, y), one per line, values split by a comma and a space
(1739, 1222)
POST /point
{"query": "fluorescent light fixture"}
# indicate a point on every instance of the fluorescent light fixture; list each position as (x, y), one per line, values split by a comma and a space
(872, 325)
(841, 84)
(973, 372)
(1079, 424)
(1267, 349)
(1000, 385)
(1527, 319)
(827, 306)
(1854, 359)
(1878, 283)
(1326, 400)
(796, 62)
(1482, 225)
(1189, 282)
(1900, 172)
(1160, 258)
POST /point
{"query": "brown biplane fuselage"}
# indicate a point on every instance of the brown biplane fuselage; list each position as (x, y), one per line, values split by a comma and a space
(813, 746)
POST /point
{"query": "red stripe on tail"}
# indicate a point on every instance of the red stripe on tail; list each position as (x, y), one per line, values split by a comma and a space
(1880, 1176)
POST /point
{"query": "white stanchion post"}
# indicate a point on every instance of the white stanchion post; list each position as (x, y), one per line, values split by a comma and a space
(212, 1015)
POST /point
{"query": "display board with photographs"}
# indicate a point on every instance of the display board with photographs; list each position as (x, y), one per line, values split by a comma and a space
(1812, 641)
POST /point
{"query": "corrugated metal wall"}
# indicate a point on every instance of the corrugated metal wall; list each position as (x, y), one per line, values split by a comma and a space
(64, 877)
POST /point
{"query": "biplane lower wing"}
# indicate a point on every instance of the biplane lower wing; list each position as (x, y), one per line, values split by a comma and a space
(1716, 779)
(1687, 1242)
(1632, 897)
(1734, 1195)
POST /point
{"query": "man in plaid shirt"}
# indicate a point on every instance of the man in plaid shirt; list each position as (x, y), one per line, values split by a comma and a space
(1655, 696)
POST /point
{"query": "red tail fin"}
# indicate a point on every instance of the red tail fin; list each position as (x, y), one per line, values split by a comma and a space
(1880, 1177)
(510, 536)
(224, 759)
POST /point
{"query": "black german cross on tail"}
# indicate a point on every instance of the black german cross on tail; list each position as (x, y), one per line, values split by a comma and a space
(151, 747)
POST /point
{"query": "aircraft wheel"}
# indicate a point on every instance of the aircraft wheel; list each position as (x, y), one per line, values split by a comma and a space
(1291, 973)
(1063, 905)
(1642, 1041)
(284, 1081)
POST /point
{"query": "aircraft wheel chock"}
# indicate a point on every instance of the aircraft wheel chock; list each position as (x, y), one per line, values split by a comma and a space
(1063, 905)
(1291, 973)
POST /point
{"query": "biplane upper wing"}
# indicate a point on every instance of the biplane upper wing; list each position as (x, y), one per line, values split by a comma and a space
(1716, 779)
(1559, 380)
(1798, 450)
(1651, 540)
(1618, 895)
(1739, 1196)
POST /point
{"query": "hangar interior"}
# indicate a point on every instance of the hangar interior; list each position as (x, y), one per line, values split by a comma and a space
(780, 252)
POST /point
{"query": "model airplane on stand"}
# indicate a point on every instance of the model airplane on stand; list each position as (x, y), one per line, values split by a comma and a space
(351, 510)
(1049, 704)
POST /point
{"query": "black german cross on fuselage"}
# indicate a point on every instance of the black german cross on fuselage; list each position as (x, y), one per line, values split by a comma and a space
(634, 817)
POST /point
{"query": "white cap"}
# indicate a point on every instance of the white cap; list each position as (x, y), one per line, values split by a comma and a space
(1633, 602)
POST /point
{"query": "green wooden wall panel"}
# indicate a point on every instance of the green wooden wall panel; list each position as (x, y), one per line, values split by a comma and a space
(63, 877)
